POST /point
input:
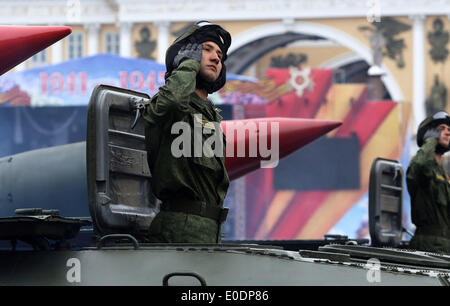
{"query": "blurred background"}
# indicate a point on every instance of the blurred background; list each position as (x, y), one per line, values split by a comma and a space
(378, 66)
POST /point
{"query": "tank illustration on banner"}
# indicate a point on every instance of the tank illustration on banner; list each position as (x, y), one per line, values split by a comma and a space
(108, 176)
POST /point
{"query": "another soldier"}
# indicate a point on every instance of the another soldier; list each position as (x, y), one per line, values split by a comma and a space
(428, 185)
(192, 188)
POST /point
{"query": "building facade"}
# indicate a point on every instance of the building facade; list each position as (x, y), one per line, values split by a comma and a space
(414, 57)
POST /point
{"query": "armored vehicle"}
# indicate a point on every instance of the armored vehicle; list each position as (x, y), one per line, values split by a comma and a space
(81, 208)
(45, 248)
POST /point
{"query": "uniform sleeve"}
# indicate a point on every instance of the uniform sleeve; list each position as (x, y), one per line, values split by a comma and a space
(174, 95)
(423, 163)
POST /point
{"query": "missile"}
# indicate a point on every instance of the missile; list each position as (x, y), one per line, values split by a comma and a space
(56, 177)
(17, 43)
(261, 142)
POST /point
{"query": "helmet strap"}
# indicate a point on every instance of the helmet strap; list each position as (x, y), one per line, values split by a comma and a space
(441, 149)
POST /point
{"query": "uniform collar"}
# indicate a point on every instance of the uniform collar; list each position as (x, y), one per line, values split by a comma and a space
(206, 106)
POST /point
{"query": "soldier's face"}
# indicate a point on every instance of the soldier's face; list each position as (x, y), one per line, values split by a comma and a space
(211, 64)
(444, 139)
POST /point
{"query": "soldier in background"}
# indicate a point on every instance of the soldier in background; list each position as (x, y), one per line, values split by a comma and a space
(192, 189)
(429, 187)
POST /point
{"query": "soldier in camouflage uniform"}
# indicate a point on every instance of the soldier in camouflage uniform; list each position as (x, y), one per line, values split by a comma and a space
(429, 187)
(192, 188)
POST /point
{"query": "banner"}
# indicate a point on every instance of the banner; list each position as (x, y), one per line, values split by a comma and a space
(71, 83)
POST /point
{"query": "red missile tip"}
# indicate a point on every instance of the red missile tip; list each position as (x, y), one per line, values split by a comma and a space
(293, 134)
(17, 43)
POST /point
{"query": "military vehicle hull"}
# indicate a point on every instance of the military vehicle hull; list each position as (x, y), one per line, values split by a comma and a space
(211, 265)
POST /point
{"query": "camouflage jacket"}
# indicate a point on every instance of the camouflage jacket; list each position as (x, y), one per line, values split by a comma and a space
(429, 188)
(186, 178)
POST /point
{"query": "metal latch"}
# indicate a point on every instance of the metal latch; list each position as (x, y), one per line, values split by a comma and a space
(137, 105)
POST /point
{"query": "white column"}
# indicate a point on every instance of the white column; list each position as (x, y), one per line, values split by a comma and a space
(57, 52)
(93, 38)
(163, 40)
(125, 38)
(57, 48)
(418, 69)
(239, 188)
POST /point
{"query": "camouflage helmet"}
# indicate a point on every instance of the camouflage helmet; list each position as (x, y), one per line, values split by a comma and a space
(198, 33)
(431, 122)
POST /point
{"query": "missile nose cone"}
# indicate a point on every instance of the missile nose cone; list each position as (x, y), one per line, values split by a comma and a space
(17, 43)
(268, 139)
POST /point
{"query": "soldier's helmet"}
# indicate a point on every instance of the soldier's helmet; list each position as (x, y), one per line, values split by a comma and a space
(198, 33)
(431, 122)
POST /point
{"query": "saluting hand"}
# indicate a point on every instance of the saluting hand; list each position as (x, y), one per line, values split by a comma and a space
(189, 51)
(432, 133)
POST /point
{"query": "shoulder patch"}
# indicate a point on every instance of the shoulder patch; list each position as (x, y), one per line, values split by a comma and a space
(440, 177)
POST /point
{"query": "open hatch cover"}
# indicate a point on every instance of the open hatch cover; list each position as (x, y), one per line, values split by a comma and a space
(386, 202)
(119, 192)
